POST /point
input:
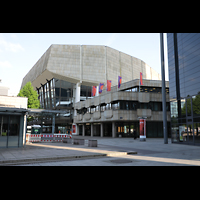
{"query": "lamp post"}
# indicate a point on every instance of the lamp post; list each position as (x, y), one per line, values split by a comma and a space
(163, 89)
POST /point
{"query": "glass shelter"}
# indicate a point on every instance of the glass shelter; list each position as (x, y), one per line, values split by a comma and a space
(12, 122)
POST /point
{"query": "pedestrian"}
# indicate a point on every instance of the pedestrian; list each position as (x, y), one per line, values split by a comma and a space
(135, 134)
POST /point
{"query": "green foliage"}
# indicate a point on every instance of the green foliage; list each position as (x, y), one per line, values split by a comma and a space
(28, 91)
(195, 105)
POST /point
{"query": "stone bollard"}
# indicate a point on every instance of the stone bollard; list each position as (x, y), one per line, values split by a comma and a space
(92, 143)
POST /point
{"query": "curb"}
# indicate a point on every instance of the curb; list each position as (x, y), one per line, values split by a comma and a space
(32, 160)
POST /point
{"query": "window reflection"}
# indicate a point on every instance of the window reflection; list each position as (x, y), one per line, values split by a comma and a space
(10, 131)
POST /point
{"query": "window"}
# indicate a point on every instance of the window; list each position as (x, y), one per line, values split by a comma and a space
(115, 106)
(108, 106)
(86, 92)
(10, 135)
(103, 108)
(127, 106)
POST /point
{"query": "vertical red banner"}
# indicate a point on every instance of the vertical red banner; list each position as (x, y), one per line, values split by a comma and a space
(94, 89)
(141, 83)
(142, 129)
(73, 128)
(108, 85)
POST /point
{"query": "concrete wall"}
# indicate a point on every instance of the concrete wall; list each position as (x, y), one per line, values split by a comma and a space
(121, 115)
(16, 102)
(90, 64)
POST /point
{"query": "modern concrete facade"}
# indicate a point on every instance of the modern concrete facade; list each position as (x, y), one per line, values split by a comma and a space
(122, 108)
(88, 65)
(65, 74)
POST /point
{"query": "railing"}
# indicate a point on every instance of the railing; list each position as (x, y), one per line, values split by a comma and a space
(46, 137)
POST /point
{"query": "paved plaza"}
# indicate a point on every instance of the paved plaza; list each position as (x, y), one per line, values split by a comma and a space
(110, 152)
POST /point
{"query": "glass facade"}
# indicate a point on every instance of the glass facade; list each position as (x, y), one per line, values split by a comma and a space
(11, 130)
(125, 105)
(59, 95)
(184, 91)
(146, 89)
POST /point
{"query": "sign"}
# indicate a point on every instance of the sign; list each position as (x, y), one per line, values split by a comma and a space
(142, 129)
(73, 128)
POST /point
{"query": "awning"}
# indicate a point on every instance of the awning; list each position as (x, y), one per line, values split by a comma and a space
(13, 110)
(45, 111)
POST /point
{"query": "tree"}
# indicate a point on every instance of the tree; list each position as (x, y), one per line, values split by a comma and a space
(28, 91)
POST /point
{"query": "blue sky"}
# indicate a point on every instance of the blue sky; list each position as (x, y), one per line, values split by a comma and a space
(20, 51)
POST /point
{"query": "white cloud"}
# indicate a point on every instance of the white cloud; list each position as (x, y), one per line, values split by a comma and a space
(112, 38)
(5, 64)
(9, 46)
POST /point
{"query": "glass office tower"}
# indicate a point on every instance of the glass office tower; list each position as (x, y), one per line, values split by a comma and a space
(184, 86)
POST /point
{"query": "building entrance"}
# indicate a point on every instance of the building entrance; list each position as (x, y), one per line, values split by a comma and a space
(126, 129)
(188, 127)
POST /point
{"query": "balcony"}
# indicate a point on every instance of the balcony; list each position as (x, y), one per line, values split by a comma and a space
(144, 113)
(87, 116)
(79, 117)
(108, 114)
(97, 115)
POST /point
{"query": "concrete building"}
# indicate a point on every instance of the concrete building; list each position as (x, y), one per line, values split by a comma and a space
(65, 75)
(12, 119)
(117, 113)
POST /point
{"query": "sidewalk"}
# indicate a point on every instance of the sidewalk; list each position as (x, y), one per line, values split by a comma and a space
(151, 152)
(54, 151)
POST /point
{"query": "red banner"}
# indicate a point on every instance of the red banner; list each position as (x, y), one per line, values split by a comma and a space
(108, 85)
(94, 89)
(73, 128)
(141, 83)
(142, 127)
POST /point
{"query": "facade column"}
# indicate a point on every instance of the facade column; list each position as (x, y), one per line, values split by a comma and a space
(101, 129)
(50, 95)
(44, 100)
(92, 129)
(78, 92)
(53, 123)
(113, 130)
(97, 92)
(83, 129)
(77, 99)
(77, 129)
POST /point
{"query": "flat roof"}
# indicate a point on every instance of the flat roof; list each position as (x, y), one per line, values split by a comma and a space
(31, 111)
(45, 111)
(14, 110)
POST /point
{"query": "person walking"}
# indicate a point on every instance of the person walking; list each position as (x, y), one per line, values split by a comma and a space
(135, 134)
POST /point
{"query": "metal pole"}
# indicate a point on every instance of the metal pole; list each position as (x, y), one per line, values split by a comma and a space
(163, 89)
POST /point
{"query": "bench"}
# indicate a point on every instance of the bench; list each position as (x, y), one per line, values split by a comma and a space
(79, 141)
(92, 143)
(67, 140)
